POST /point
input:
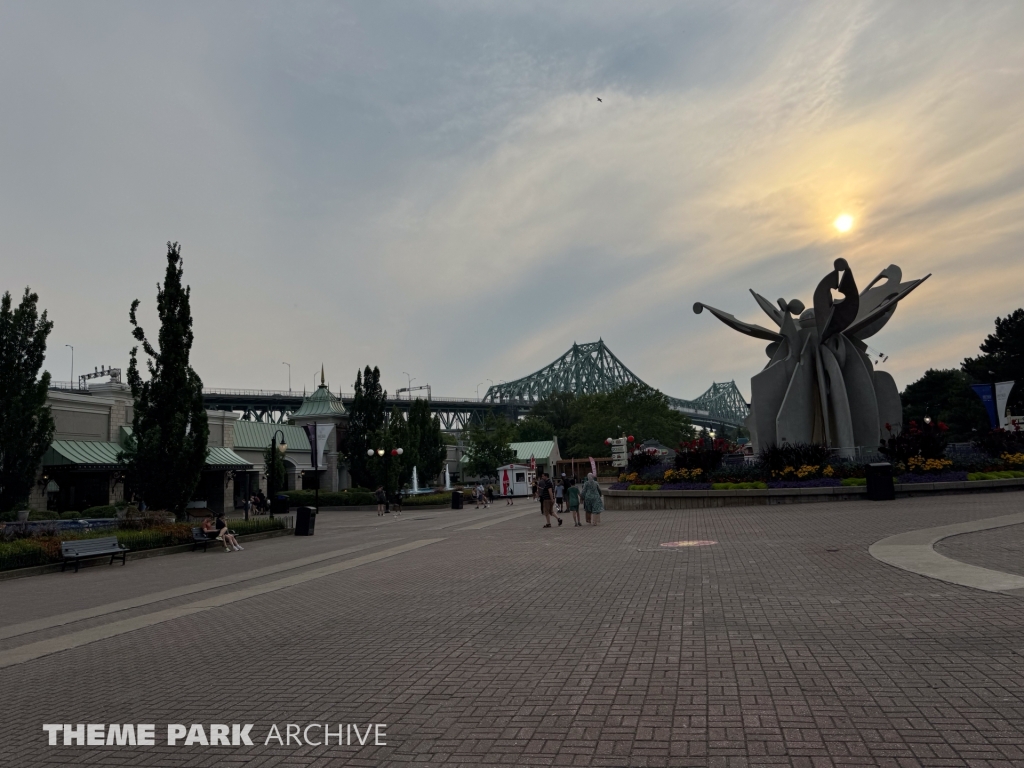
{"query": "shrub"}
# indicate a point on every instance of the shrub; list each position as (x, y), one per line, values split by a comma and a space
(645, 487)
(330, 498)
(1001, 441)
(703, 453)
(738, 486)
(640, 460)
(925, 440)
(43, 514)
(70, 516)
(104, 511)
(425, 499)
(854, 481)
(774, 460)
(1004, 475)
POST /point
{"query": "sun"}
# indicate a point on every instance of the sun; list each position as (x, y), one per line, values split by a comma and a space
(844, 222)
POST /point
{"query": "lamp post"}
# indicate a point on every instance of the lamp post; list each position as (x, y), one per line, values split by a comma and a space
(72, 365)
(386, 456)
(289, 376)
(275, 447)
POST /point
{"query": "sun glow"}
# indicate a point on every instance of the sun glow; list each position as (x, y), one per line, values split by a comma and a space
(843, 222)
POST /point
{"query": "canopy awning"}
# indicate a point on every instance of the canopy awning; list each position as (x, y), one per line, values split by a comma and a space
(102, 456)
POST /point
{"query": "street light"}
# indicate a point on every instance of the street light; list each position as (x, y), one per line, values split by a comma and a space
(411, 380)
(72, 365)
(289, 376)
(478, 390)
(275, 448)
(386, 456)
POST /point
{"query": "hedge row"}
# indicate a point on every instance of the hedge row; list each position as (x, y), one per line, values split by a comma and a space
(43, 550)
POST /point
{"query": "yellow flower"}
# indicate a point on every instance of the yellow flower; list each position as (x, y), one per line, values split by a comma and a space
(828, 471)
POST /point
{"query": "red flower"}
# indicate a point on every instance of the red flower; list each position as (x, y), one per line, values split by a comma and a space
(942, 426)
(888, 426)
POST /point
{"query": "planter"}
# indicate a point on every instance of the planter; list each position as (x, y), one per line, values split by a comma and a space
(23, 515)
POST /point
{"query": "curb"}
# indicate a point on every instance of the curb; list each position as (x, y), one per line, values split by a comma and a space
(38, 570)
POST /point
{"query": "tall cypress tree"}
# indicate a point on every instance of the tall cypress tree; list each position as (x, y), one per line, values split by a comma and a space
(26, 426)
(366, 420)
(168, 448)
(425, 432)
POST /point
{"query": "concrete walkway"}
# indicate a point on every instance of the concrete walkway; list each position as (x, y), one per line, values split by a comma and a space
(914, 551)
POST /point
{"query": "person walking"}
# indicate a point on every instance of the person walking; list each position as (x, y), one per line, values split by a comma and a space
(533, 489)
(574, 503)
(593, 503)
(478, 492)
(546, 491)
(381, 498)
(559, 496)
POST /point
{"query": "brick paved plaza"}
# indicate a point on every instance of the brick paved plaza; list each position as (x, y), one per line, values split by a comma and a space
(482, 640)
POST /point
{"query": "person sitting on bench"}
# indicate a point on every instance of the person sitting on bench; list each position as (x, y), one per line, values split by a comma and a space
(225, 535)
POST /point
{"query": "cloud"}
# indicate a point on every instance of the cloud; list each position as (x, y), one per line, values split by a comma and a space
(435, 188)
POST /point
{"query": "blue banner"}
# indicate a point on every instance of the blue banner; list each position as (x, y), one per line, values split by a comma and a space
(988, 398)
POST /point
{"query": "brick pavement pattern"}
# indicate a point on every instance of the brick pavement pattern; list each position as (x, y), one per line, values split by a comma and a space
(516, 646)
(1001, 549)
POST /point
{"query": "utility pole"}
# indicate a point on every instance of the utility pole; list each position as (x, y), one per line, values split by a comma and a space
(72, 365)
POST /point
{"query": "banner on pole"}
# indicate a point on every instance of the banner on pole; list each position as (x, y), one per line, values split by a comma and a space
(317, 434)
(1002, 395)
(593, 467)
(987, 394)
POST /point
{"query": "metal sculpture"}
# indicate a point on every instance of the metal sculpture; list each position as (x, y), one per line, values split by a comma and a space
(819, 385)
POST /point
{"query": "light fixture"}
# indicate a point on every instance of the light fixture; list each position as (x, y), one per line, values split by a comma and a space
(282, 447)
(398, 451)
(369, 452)
(927, 419)
(380, 451)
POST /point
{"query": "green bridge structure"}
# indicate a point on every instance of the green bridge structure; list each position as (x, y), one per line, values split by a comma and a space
(585, 369)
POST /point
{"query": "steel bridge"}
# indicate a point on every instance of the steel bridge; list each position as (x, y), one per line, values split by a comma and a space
(584, 369)
(592, 368)
(275, 406)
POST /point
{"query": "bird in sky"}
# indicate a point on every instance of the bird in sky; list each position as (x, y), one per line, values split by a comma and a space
(599, 99)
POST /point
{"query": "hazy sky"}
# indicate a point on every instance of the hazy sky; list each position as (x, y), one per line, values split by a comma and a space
(434, 187)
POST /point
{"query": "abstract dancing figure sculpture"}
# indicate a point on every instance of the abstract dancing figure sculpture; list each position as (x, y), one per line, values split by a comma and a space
(819, 385)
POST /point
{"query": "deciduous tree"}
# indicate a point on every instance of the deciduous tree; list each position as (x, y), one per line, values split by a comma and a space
(26, 426)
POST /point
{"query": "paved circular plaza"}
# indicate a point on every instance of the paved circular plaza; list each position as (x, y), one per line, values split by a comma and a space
(481, 639)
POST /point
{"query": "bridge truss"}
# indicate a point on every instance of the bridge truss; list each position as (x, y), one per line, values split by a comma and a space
(592, 368)
(585, 369)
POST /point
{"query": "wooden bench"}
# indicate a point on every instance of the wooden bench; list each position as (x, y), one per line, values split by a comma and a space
(81, 549)
(199, 537)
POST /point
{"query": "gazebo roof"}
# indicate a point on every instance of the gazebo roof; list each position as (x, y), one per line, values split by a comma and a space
(320, 404)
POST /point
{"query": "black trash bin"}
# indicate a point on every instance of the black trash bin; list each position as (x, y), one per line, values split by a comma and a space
(880, 485)
(279, 505)
(305, 521)
(456, 499)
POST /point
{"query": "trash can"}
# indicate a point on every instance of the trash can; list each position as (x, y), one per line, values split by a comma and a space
(456, 499)
(880, 486)
(305, 521)
(279, 505)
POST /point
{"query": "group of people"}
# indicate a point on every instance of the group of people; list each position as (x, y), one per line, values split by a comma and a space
(485, 496)
(218, 530)
(257, 504)
(383, 507)
(556, 496)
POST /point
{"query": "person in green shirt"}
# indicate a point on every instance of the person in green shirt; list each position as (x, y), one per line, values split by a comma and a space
(574, 502)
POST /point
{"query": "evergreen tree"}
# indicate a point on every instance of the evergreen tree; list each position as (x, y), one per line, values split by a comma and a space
(425, 433)
(168, 448)
(1002, 358)
(366, 419)
(946, 396)
(26, 426)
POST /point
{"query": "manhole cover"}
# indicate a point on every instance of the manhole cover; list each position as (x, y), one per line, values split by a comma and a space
(698, 543)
